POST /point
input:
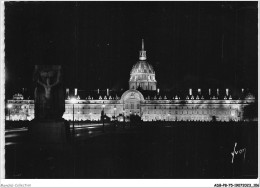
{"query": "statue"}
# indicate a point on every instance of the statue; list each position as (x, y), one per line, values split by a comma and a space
(49, 95)
(48, 128)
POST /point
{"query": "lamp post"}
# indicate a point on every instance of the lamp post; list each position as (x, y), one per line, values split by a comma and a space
(123, 119)
(130, 114)
(9, 106)
(103, 116)
(124, 115)
(23, 107)
(78, 117)
(114, 113)
(114, 117)
(73, 101)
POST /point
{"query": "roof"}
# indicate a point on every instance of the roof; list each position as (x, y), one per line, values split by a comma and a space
(166, 95)
(142, 67)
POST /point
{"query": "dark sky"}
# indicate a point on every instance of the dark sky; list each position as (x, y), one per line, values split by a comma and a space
(190, 44)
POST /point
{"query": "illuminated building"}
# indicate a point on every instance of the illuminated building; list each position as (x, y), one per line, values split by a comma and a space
(145, 100)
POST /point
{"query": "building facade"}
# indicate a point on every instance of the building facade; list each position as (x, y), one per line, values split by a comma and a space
(145, 100)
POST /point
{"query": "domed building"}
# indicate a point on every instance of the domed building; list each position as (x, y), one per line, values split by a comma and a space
(145, 100)
(142, 74)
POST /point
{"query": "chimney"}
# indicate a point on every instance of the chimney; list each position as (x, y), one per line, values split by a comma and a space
(107, 92)
(209, 91)
(217, 92)
(158, 91)
(190, 91)
(242, 90)
(76, 92)
(97, 91)
(199, 91)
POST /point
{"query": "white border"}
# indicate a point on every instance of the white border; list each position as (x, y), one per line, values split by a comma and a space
(95, 182)
(2, 93)
(130, 183)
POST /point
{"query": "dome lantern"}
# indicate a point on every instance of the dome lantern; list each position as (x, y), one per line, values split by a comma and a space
(142, 52)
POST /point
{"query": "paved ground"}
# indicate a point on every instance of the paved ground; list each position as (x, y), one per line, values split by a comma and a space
(158, 150)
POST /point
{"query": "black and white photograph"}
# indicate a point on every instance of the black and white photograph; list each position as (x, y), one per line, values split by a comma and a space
(133, 90)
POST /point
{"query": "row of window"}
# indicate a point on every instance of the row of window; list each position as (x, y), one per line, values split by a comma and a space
(22, 107)
(200, 112)
(129, 106)
(89, 112)
(137, 106)
(177, 112)
(149, 118)
(132, 106)
(182, 107)
(89, 107)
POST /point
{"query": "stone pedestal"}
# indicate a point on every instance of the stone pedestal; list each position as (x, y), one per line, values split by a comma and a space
(48, 129)
(49, 132)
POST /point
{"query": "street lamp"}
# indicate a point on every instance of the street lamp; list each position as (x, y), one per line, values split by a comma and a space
(124, 119)
(23, 113)
(114, 113)
(124, 115)
(103, 116)
(73, 101)
(9, 106)
(114, 117)
(78, 117)
(130, 118)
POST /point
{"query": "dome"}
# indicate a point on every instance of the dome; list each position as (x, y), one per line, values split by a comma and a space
(142, 67)
(142, 74)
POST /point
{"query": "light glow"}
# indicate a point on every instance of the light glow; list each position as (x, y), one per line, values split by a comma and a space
(73, 100)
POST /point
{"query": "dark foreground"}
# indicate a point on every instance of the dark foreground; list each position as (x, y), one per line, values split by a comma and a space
(156, 150)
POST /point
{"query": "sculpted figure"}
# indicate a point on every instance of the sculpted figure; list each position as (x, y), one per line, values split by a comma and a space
(49, 93)
(47, 76)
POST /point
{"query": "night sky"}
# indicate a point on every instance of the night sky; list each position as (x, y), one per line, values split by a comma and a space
(189, 44)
